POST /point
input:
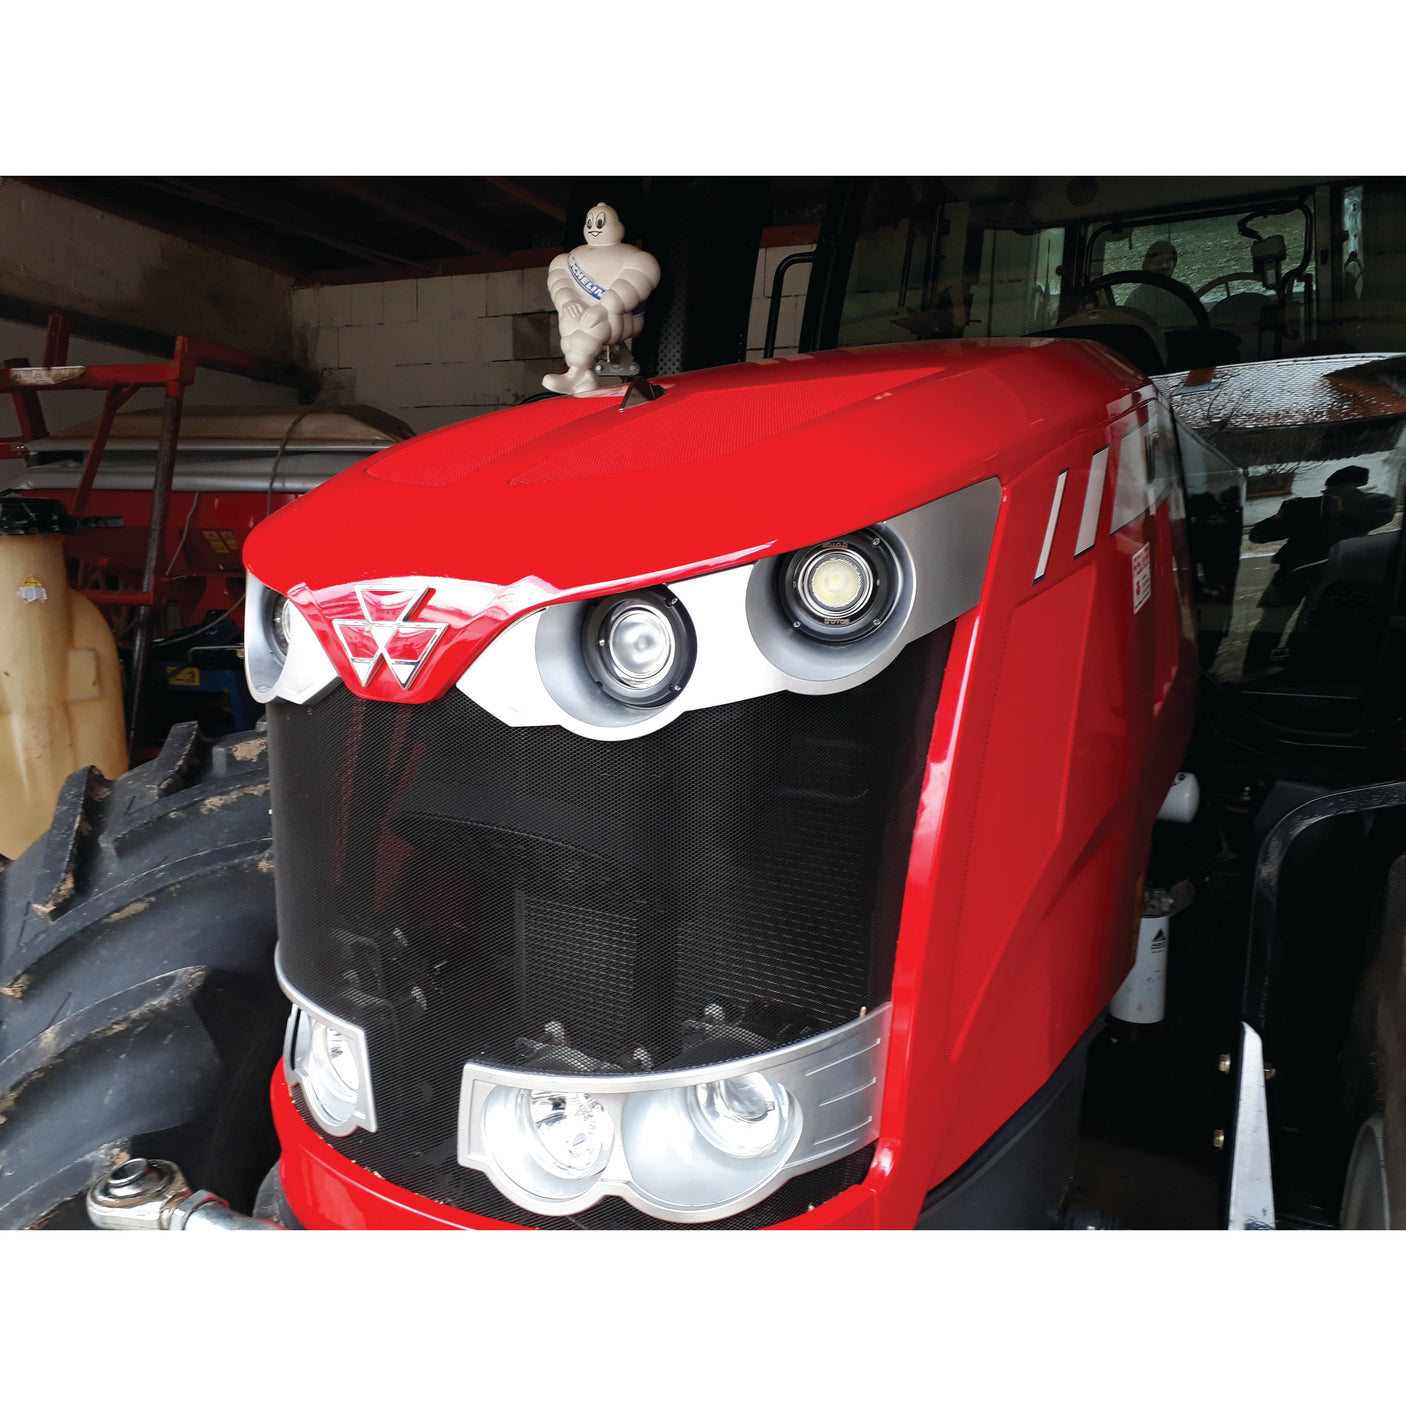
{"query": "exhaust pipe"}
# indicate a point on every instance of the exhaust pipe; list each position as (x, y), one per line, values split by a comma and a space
(154, 1195)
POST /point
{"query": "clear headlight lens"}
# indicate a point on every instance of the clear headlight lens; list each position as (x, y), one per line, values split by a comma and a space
(746, 1116)
(570, 1135)
(333, 1063)
(688, 1145)
(330, 1068)
(639, 643)
(638, 647)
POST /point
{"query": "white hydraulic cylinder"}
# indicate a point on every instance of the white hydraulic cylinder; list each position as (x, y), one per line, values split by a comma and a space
(1142, 998)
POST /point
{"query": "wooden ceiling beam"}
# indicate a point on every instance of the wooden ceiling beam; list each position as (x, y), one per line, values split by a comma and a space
(472, 234)
(523, 196)
(265, 250)
(277, 214)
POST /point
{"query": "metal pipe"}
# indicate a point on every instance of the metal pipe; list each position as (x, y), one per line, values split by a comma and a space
(773, 315)
(160, 505)
(113, 401)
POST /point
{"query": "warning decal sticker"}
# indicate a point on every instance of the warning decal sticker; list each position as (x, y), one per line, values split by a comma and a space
(1142, 577)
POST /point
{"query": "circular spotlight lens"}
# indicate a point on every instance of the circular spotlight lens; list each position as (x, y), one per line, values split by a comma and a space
(639, 643)
(332, 1071)
(747, 1116)
(571, 1134)
(638, 647)
(835, 582)
(840, 590)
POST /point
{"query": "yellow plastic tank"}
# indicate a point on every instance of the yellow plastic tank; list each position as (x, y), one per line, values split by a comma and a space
(60, 688)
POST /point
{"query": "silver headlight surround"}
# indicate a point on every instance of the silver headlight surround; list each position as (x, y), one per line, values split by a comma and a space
(530, 674)
(659, 1162)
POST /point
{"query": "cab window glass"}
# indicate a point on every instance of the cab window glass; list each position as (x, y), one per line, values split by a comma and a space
(1295, 534)
(914, 273)
(1248, 272)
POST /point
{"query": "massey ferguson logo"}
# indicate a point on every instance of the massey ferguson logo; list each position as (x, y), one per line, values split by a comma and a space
(385, 634)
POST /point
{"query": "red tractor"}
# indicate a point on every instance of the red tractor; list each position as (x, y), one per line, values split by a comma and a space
(725, 802)
(749, 797)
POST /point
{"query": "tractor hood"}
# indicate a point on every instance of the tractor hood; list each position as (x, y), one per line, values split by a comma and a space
(570, 498)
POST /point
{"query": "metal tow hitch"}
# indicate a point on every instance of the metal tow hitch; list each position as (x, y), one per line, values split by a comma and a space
(153, 1195)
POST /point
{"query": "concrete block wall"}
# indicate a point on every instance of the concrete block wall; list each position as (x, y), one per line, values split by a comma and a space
(430, 350)
(63, 254)
(437, 350)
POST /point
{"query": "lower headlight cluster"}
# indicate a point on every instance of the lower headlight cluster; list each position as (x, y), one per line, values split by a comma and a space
(691, 1145)
(698, 1146)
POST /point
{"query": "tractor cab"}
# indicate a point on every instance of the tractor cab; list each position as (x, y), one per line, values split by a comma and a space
(1171, 273)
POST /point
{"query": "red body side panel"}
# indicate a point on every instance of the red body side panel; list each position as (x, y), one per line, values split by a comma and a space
(1063, 716)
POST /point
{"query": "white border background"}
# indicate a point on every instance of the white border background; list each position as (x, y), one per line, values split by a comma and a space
(731, 88)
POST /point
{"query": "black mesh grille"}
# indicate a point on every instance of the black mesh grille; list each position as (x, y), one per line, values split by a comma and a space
(527, 898)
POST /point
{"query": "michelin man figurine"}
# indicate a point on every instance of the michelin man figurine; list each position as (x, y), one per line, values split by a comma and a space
(599, 291)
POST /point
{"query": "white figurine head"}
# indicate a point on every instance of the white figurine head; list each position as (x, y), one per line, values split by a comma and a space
(603, 226)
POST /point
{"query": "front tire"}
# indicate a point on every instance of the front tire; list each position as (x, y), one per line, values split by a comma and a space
(139, 1014)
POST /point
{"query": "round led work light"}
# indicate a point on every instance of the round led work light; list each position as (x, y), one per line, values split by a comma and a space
(638, 647)
(840, 590)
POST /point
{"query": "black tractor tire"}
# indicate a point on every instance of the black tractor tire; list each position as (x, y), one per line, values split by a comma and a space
(139, 1013)
(1372, 1076)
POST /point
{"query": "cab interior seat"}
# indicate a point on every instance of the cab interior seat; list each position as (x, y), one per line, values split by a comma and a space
(1248, 316)
(1340, 629)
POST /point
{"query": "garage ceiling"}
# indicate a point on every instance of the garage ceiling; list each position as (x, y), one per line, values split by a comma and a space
(344, 229)
(304, 225)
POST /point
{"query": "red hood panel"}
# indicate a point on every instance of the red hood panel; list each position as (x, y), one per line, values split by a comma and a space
(581, 494)
(570, 498)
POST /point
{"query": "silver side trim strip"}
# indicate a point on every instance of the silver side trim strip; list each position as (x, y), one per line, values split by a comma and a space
(1130, 497)
(1051, 525)
(1093, 502)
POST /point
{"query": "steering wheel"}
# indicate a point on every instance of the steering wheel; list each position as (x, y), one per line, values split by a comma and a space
(1228, 279)
(1157, 280)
